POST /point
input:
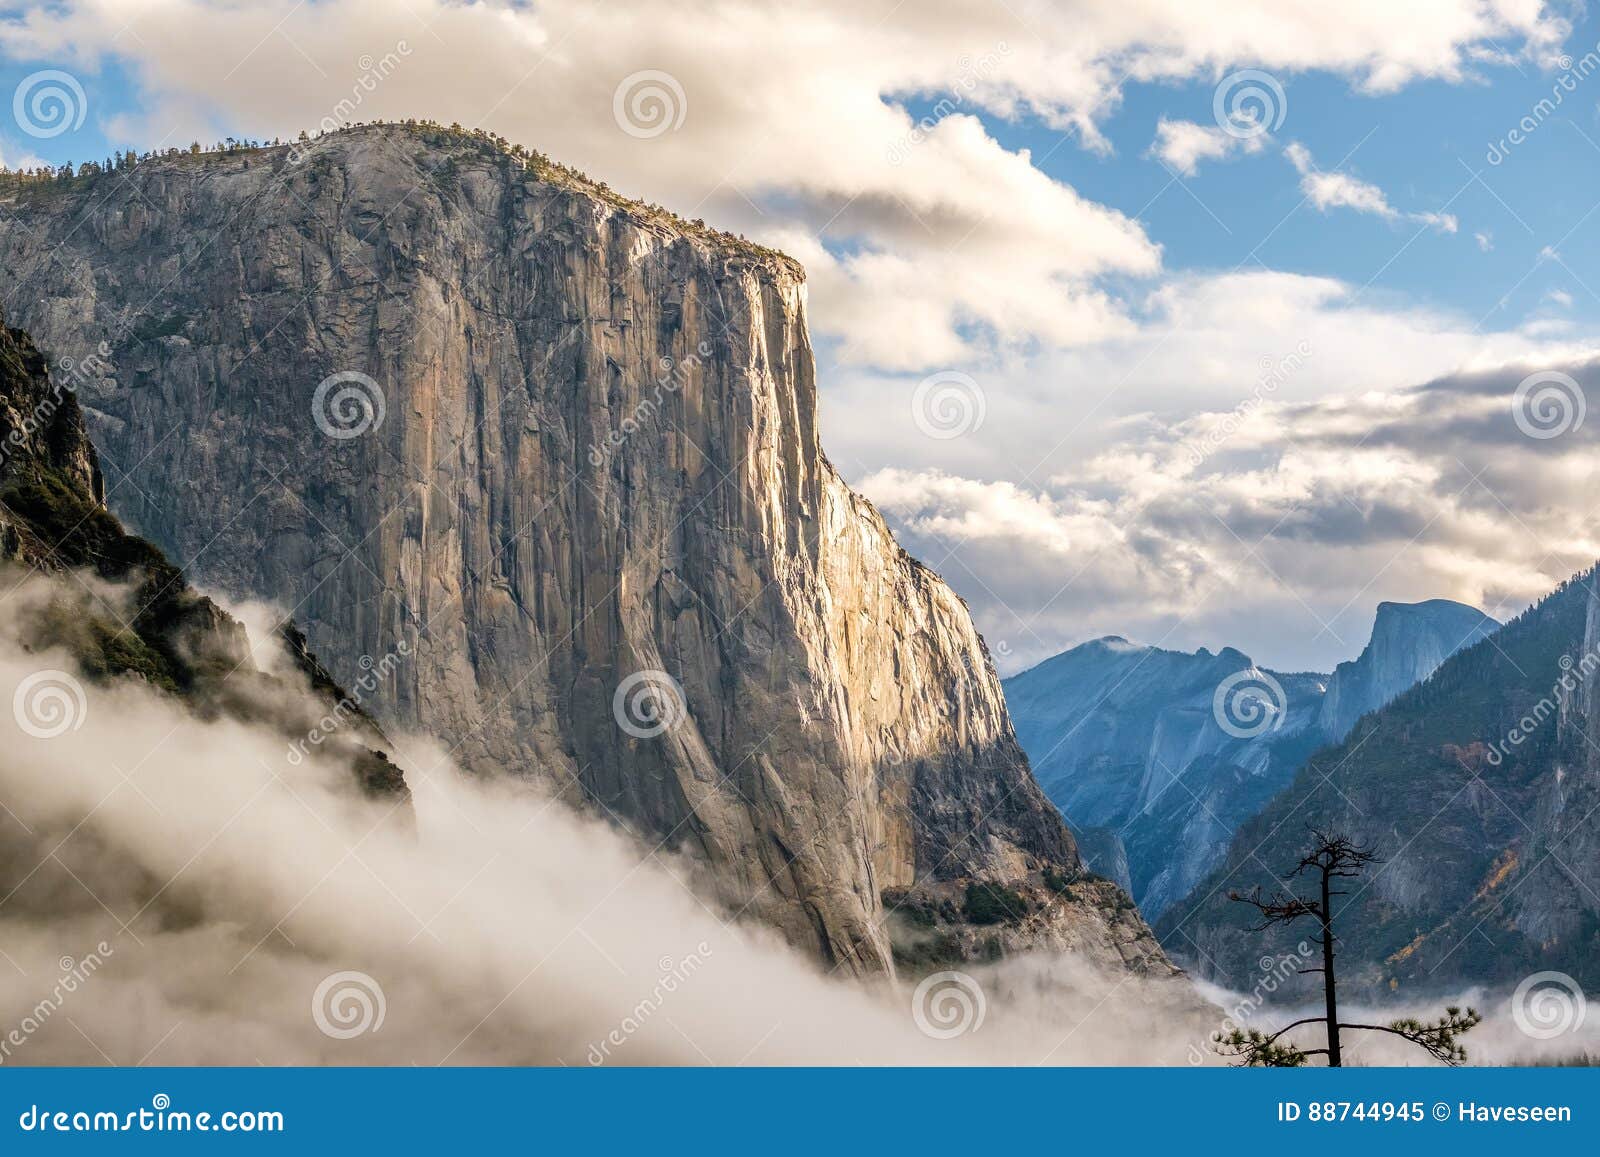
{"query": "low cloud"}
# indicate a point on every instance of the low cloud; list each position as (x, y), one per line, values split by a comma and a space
(1274, 526)
(175, 891)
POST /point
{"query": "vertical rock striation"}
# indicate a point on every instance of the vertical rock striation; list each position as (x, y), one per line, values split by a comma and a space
(148, 624)
(1409, 641)
(568, 459)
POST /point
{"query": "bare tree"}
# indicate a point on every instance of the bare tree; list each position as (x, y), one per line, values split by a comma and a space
(1332, 858)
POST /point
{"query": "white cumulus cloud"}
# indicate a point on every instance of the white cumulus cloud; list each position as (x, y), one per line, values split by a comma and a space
(1182, 145)
(1337, 190)
(933, 240)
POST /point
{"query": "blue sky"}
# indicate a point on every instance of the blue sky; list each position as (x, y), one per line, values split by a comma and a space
(1421, 145)
(1097, 309)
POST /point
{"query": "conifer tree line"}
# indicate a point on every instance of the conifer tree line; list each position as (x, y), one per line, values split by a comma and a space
(74, 175)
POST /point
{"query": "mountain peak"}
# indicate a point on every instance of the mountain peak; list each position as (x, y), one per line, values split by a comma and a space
(1110, 726)
(1115, 643)
(1452, 869)
(1428, 608)
(1409, 641)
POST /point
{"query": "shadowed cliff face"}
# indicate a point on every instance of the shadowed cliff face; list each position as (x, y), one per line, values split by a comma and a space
(562, 453)
(128, 614)
(1409, 641)
(1127, 740)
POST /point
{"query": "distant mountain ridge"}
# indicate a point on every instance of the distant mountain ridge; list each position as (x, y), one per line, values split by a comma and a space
(1479, 789)
(1158, 756)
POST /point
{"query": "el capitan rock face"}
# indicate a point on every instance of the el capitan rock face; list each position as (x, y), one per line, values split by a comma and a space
(597, 457)
(149, 625)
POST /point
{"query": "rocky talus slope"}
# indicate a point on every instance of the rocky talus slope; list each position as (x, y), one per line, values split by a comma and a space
(428, 391)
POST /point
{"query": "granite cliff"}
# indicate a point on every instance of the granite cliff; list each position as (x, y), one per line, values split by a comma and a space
(142, 620)
(1409, 641)
(432, 393)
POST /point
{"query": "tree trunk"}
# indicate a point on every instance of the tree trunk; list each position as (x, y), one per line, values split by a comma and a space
(1329, 999)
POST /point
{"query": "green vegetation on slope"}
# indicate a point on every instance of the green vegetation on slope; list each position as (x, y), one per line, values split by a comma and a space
(480, 143)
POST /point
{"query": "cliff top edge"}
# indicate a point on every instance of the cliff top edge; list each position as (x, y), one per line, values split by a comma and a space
(457, 142)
